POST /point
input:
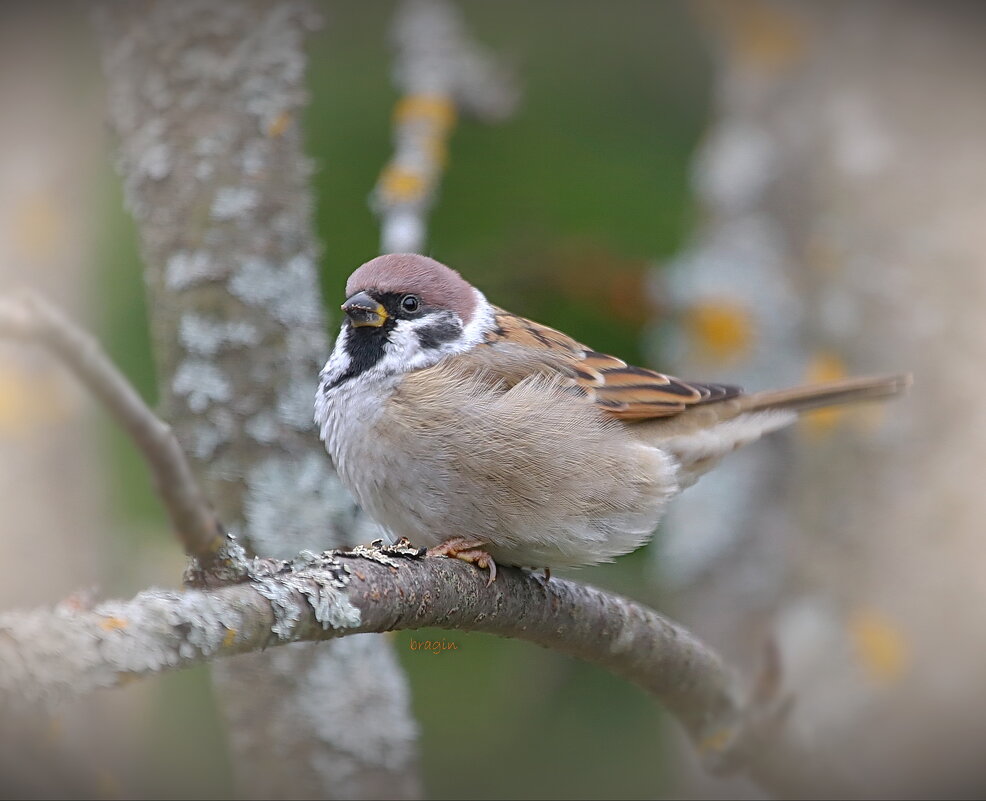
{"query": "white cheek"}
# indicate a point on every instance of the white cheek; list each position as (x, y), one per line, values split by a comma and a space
(403, 350)
(483, 320)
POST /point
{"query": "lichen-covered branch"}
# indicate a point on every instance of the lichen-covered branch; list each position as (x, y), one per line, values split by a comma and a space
(47, 653)
(30, 318)
(439, 71)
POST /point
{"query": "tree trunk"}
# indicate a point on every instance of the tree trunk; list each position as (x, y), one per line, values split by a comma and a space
(843, 180)
(206, 98)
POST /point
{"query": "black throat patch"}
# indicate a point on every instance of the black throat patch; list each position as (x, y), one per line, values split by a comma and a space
(364, 346)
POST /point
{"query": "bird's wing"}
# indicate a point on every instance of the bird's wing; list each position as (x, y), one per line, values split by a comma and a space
(517, 348)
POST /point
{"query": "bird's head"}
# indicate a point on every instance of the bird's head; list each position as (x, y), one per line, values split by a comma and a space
(405, 312)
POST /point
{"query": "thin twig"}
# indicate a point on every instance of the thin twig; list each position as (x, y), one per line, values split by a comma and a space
(29, 318)
(440, 70)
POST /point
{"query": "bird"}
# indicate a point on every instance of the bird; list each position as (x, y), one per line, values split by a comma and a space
(481, 435)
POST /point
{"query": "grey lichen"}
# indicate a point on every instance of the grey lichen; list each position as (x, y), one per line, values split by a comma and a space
(315, 581)
(205, 438)
(231, 566)
(331, 716)
(293, 503)
(201, 383)
(50, 655)
(387, 554)
(185, 269)
(288, 291)
(232, 202)
(262, 428)
(204, 336)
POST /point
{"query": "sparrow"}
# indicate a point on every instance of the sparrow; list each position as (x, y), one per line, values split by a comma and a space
(491, 438)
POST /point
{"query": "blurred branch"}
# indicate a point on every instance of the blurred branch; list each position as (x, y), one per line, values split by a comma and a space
(46, 654)
(29, 318)
(439, 71)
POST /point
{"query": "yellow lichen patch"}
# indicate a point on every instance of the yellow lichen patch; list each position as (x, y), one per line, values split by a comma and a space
(824, 366)
(229, 638)
(763, 35)
(879, 644)
(721, 330)
(112, 623)
(29, 398)
(715, 741)
(279, 124)
(437, 109)
(400, 185)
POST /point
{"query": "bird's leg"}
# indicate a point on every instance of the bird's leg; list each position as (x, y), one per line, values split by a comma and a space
(467, 550)
(547, 573)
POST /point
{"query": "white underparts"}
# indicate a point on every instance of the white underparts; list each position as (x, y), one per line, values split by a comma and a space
(699, 451)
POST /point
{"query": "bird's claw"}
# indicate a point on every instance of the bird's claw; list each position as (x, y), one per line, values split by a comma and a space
(467, 550)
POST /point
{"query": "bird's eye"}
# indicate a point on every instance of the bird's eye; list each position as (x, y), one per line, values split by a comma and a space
(410, 303)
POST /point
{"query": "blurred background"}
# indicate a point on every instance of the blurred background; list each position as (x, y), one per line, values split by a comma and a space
(753, 192)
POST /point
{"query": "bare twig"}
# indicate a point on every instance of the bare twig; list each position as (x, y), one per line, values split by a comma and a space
(28, 317)
(440, 71)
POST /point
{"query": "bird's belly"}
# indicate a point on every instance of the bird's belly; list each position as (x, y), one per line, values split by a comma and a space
(412, 499)
(534, 505)
(389, 489)
(373, 465)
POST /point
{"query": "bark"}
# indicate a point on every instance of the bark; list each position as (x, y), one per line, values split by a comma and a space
(46, 654)
(205, 98)
(843, 182)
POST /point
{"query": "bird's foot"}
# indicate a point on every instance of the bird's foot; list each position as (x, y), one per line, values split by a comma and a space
(467, 550)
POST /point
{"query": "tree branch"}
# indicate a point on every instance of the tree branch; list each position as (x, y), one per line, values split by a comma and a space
(370, 589)
(46, 655)
(30, 318)
(439, 70)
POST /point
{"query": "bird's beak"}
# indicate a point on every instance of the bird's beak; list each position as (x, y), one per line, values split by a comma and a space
(363, 310)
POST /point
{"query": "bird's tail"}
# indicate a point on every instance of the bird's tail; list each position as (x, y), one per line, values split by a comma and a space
(699, 437)
(833, 393)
